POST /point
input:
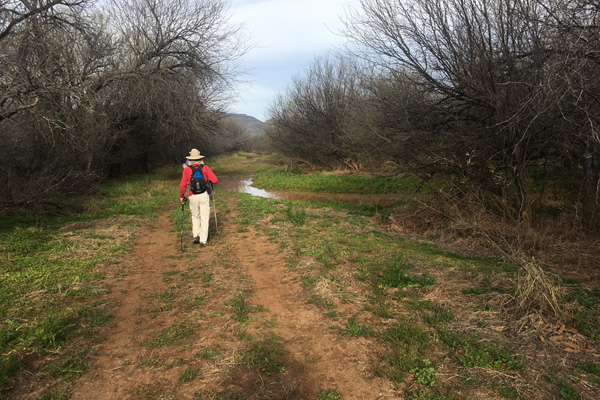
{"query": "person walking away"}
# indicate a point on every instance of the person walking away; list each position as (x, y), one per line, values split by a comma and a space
(196, 176)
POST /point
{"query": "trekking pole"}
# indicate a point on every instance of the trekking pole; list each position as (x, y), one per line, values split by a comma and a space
(182, 206)
(212, 191)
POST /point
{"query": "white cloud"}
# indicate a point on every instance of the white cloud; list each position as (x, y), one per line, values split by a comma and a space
(287, 35)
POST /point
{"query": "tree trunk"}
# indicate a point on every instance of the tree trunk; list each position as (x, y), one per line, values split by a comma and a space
(589, 190)
(522, 186)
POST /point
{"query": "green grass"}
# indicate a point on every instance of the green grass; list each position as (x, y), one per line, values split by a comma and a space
(472, 352)
(565, 390)
(251, 208)
(322, 183)
(266, 355)
(424, 373)
(49, 267)
(355, 328)
(240, 308)
(70, 366)
(588, 314)
(245, 164)
(408, 341)
(210, 353)
(432, 313)
(188, 375)
(328, 395)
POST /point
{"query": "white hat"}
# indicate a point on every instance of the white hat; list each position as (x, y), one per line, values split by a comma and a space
(194, 155)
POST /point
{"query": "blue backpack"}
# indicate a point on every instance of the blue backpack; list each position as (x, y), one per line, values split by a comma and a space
(197, 182)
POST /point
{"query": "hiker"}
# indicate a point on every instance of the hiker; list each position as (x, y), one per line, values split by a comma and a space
(196, 176)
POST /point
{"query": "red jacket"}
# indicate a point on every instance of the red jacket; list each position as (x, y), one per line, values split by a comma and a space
(209, 176)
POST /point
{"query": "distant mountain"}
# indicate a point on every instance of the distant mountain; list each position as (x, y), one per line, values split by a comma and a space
(253, 125)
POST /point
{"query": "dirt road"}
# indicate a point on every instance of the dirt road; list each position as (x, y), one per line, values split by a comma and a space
(174, 333)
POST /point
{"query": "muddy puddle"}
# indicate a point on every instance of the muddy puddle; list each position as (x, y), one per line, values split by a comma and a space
(243, 184)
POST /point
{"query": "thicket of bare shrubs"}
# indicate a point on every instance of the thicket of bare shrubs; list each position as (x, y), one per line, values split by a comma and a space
(89, 92)
(499, 100)
(497, 97)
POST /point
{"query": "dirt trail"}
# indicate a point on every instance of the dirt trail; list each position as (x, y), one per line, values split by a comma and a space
(316, 358)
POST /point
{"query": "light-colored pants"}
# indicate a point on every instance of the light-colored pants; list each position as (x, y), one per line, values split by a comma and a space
(200, 207)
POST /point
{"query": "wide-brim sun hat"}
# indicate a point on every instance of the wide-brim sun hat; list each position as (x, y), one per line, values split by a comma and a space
(195, 155)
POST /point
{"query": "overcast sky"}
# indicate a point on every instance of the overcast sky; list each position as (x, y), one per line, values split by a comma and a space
(286, 36)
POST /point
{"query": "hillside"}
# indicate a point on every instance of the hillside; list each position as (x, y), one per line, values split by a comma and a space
(253, 125)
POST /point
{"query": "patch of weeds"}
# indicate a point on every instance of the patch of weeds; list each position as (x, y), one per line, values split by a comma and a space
(471, 353)
(168, 276)
(206, 277)
(587, 316)
(327, 254)
(509, 392)
(167, 295)
(96, 317)
(425, 373)
(408, 342)
(71, 366)
(52, 331)
(383, 311)
(209, 353)
(432, 313)
(169, 336)
(153, 362)
(192, 303)
(590, 369)
(252, 208)
(321, 302)
(243, 335)
(355, 329)
(566, 391)
(395, 275)
(428, 395)
(240, 308)
(328, 395)
(295, 215)
(467, 378)
(188, 375)
(158, 309)
(308, 281)
(10, 365)
(265, 354)
(452, 339)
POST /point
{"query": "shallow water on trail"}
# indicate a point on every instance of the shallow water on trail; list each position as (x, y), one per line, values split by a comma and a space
(243, 184)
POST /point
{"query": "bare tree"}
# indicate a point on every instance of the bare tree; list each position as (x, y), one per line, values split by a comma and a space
(85, 92)
(483, 64)
(312, 120)
(22, 24)
(573, 29)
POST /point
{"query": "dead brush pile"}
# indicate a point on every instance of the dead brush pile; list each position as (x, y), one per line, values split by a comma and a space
(538, 301)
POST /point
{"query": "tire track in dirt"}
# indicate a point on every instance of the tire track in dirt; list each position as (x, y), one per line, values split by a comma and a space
(328, 360)
(115, 372)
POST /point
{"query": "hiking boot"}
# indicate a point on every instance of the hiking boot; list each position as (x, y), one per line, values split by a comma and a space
(203, 244)
(196, 240)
